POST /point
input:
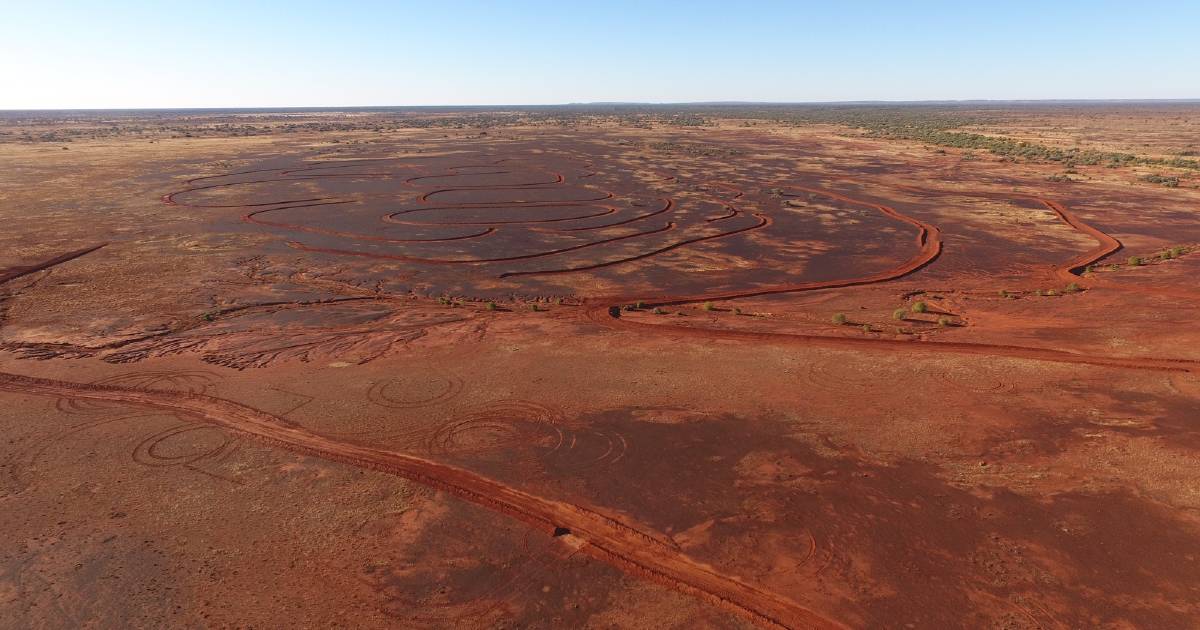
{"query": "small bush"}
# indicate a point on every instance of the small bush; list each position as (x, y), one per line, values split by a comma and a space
(1051, 292)
(737, 311)
(839, 318)
(708, 306)
(639, 305)
(1003, 293)
(867, 328)
(491, 306)
(658, 311)
(1168, 181)
(943, 321)
(919, 307)
(1178, 251)
(899, 314)
(534, 307)
(1071, 288)
(1135, 261)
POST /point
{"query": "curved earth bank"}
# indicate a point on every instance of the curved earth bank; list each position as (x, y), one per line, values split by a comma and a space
(631, 549)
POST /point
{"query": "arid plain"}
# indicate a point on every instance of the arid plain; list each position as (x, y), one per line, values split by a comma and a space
(716, 367)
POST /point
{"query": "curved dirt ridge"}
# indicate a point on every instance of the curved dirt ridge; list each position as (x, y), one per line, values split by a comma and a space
(1071, 269)
(606, 311)
(1105, 244)
(588, 199)
(12, 273)
(635, 551)
(929, 247)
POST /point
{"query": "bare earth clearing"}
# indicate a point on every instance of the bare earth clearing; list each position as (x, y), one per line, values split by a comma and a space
(601, 368)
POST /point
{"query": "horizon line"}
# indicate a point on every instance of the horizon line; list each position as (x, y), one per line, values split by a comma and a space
(729, 103)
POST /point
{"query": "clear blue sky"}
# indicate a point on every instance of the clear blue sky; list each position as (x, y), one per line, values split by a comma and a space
(300, 53)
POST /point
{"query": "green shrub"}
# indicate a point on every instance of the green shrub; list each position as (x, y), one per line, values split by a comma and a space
(491, 306)
(1071, 288)
(943, 321)
(1165, 180)
(1135, 261)
(639, 305)
(867, 328)
(839, 318)
(899, 314)
(919, 307)
(658, 311)
(708, 306)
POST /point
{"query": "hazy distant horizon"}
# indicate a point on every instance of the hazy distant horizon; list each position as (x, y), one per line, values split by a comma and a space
(136, 54)
(603, 104)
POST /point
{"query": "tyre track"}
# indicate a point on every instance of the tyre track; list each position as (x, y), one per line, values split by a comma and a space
(12, 273)
(631, 549)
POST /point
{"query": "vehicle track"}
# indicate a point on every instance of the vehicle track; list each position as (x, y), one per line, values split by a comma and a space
(12, 273)
(627, 547)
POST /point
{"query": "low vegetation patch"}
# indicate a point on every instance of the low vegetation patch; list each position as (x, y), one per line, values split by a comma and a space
(1169, 181)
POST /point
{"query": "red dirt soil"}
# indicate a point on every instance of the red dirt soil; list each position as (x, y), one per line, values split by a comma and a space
(583, 353)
